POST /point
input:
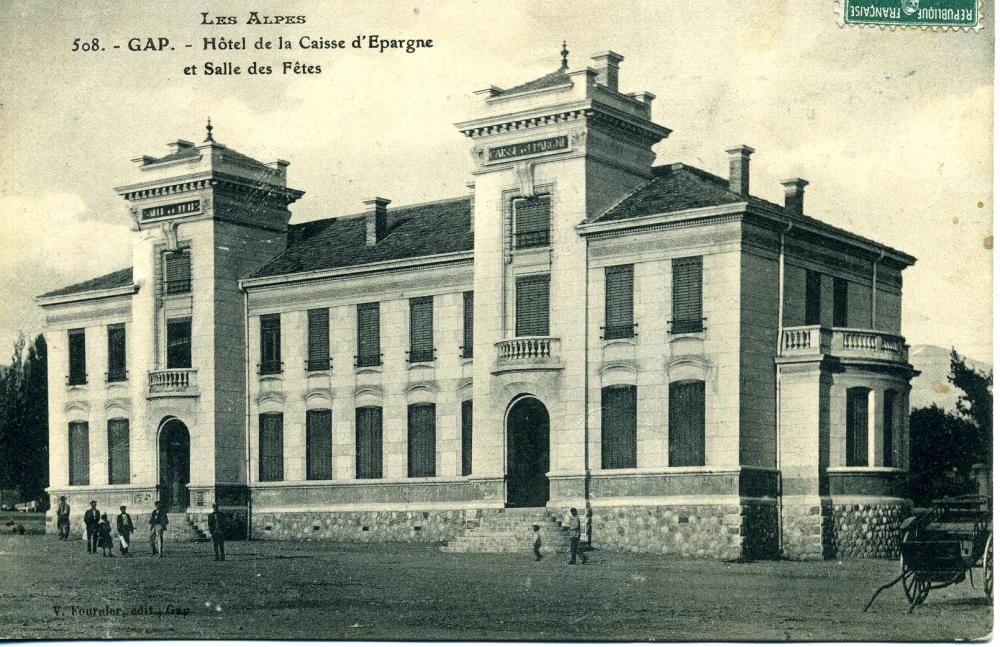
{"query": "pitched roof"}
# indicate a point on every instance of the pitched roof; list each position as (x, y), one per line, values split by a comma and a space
(413, 231)
(674, 187)
(117, 279)
(559, 77)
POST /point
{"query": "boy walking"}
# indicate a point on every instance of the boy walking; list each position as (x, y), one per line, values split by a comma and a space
(125, 529)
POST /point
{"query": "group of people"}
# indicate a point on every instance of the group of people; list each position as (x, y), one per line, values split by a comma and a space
(574, 540)
(99, 529)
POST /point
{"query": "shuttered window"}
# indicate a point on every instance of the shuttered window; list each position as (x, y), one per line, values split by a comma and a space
(468, 308)
(369, 351)
(271, 447)
(618, 317)
(270, 344)
(531, 222)
(368, 434)
(79, 453)
(857, 427)
(888, 428)
(686, 432)
(687, 310)
(466, 437)
(422, 329)
(179, 343)
(618, 438)
(421, 440)
(177, 271)
(77, 356)
(840, 302)
(814, 297)
(319, 340)
(532, 306)
(319, 445)
(118, 451)
(116, 353)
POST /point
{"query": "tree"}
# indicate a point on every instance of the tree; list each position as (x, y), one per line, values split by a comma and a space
(975, 402)
(24, 420)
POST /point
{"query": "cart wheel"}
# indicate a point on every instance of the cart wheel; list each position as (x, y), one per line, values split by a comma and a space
(988, 569)
(916, 589)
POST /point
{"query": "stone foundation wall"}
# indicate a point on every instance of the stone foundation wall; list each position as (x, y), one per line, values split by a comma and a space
(807, 530)
(868, 530)
(432, 526)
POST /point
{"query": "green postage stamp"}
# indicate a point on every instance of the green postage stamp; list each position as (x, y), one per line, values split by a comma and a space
(935, 14)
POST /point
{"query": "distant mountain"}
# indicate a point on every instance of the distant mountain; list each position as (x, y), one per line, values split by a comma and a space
(932, 385)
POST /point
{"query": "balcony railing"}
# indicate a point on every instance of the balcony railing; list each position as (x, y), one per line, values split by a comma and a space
(319, 364)
(421, 355)
(851, 343)
(527, 239)
(270, 367)
(116, 375)
(178, 286)
(364, 361)
(173, 380)
(620, 331)
(538, 351)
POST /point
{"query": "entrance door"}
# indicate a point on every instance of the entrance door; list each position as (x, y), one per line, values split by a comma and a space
(175, 465)
(527, 454)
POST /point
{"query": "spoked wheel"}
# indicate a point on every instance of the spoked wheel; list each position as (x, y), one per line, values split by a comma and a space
(916, 589)
(988, 569)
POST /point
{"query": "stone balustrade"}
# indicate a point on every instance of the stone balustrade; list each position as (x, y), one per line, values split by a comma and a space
(848, 343)
(173, 381)
(541, 352)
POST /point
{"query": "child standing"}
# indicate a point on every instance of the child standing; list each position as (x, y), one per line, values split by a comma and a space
(536, 543)
(104, 541)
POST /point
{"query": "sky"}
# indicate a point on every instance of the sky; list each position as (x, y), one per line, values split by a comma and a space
(893, 129)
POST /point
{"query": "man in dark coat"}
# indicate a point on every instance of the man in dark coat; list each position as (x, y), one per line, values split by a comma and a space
(62, 519)
(217, 528)
(91, 519)
(574, 538)
(157, 525)
(125, 529)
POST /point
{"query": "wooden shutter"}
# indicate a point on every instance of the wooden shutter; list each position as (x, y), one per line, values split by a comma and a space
(857, 427)
(116, 353)
(118, 451)
(467, 321)
(270, 344)
(271, 450)
(178, 271)
(368, 335)
(618, 438)
(466, 437)
(368, 434)
(421, 445)
(687, 310)
(77, 356)
(319, 340)
(687, 423)
(888, 427)
(814, 297)
(532, 307)
(79, 453)
(179, 343)
(319, 445)
(421, 329)
(618, 287)
(531, 222)
(840, 302)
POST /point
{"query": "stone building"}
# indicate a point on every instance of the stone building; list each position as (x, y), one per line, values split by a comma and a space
(701, 371)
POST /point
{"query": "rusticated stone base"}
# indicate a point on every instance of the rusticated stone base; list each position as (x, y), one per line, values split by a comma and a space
(870, 529)
(431, 526)
(806, 530)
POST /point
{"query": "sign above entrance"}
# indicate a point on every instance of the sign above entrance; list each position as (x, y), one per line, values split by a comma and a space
(522, 149)
(176, 209)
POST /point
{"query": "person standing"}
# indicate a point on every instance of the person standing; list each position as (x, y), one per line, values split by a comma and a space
(91, 519)
(104, 540)
(62, 519)
(574, 538)
(157, 526)
(217, 528)
(536, 542)
(125, 529)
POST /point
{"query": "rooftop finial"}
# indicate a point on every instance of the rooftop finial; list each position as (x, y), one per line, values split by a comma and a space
(208, 131)
(565, 57)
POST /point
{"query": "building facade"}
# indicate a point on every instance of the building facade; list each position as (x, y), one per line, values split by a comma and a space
(702, 371)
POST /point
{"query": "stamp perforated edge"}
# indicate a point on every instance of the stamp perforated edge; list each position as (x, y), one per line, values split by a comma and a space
(838, 10)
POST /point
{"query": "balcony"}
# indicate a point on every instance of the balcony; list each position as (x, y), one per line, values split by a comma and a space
(528, 353)
(843, 343)
(173, 382)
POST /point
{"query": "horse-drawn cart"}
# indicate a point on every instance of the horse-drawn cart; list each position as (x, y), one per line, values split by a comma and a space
(939, 547)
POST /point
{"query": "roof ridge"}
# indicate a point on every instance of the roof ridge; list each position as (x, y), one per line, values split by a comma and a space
(624, 198)
(360, 214)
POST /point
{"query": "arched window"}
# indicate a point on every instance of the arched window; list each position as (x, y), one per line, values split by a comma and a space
(368, 445)
(687, 423)
(118, 451)
(319, 445)
(857, 427)
(618, 442)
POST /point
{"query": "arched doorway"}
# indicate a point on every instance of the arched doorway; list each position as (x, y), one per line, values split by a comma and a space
(527, 454)
(175, 465)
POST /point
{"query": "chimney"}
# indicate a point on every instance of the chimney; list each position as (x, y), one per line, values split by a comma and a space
(739, 169)
(376, 220)
(471, 186)
(606, 64)
(795, 189)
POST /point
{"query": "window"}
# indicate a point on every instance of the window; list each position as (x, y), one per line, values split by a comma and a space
(840, 302)
(687, 423)
(618, 323)
(116, 353)
(270, 344)
(118, 451)
(271, 449)
(177, 271)
(178, 343)
(531, 222)
(79, 453)
(687, 295)
(319, 340)
(369, 350)
(814, 297)
(422, 329)
(368, 434)
(532, 306)
(421, 447)
(857, 427)
(77, 357)
(466, 437)
(888, 428)
(319, 445)
(467, 314)
(618, 440)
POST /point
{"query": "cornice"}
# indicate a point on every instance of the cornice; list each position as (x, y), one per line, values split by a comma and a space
(92, 295)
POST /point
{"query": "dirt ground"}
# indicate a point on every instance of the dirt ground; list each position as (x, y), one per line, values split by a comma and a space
(299, 590)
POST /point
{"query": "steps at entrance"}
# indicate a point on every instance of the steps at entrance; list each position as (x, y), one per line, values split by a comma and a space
(509, 531)
(187, 530)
